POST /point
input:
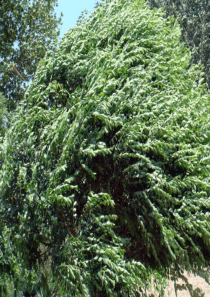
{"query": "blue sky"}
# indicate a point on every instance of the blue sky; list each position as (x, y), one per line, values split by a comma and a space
(71, 11)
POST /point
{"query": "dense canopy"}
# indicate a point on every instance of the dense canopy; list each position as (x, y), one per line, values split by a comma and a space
(27, 30)
(106, 164)
(3, 114)
(194, 19)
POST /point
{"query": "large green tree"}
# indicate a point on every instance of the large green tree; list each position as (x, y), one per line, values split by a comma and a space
(3, 115)
(194, 19)
(106, 165)
(27, 30)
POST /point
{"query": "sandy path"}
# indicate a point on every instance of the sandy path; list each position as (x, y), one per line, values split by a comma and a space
(193, 286)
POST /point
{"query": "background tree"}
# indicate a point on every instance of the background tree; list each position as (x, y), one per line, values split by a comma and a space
(27, 30)
(106, 166)
(194, 19)
(3, 114)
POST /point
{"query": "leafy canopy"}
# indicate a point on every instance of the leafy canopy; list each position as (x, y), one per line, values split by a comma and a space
(106, 165)
(3, 113)
(27, 30)
(194, 19)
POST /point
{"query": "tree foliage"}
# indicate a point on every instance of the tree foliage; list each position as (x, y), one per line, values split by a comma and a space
(194, 18)
(3, 113)
(27, 30)
(106, 165)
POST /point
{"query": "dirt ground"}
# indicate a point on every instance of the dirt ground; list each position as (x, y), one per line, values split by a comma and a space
(189, 286)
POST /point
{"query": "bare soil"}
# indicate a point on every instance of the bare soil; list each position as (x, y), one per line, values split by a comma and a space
(189, 286)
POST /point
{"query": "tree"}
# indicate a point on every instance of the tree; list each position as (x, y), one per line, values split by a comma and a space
(194, 19)
(27, 30)
(105, 178)
(3, 113)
